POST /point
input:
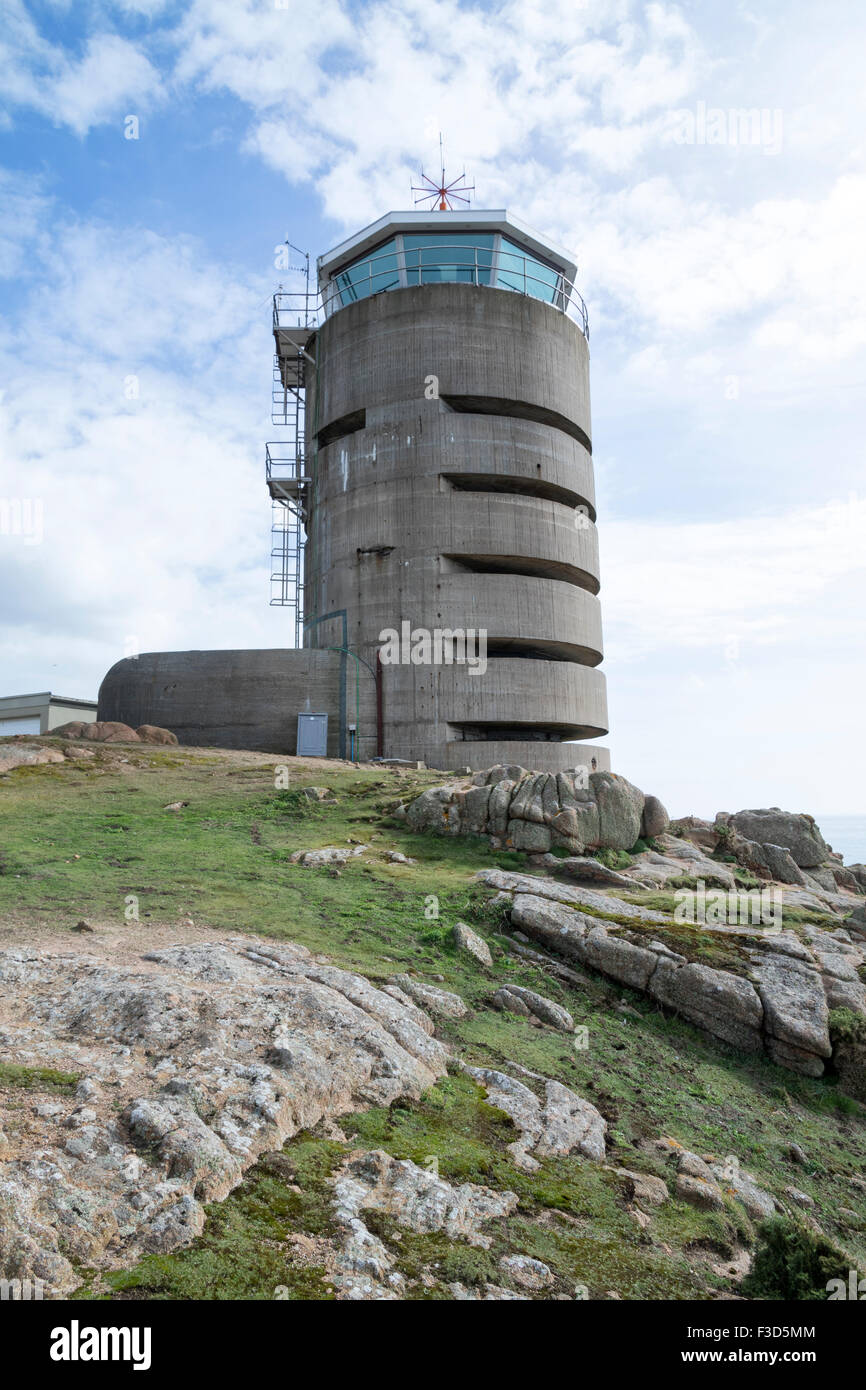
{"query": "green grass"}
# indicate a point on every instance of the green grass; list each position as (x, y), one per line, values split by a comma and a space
(224, 861)
(16, 1077)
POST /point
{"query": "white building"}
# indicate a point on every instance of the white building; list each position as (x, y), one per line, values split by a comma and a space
(39, 714)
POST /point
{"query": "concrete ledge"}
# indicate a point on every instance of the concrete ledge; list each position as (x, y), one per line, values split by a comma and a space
(476, 341)
(535, 757)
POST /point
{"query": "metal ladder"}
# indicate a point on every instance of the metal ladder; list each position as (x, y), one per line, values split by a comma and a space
(285, 469)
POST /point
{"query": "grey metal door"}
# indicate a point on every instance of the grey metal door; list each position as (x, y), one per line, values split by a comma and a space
(312, 736)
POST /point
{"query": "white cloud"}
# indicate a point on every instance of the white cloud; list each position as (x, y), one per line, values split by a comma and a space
(112, 77)
(148, 463)
(762, 579)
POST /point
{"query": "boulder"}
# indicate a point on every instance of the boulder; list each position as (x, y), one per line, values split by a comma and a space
(529, 1273)
(620, 809)
(109, 731)
(563, 1123)
(699, 1192)
(435, 810)
(472, 944)
(699, 832)
(417, 1198)
(858, 872)
(845, 879)
(331, 854)
(535, 811)
(782, 867)
(523, 834)
(588, 870)
(647, 1188)
(152, 733)
(536, 1005)
(758, 1203)
(796, 1018)
(27, 755)
(619, 959)
(436, 1001)
(74, 729)
(474, 806)
(654, 819)
(723, 1004)
(798, 833)
(502, 772)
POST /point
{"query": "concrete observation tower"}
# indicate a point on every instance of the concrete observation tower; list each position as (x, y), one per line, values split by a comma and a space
(436, 486)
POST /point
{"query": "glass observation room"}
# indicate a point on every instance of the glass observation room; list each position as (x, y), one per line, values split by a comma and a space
(427, 257)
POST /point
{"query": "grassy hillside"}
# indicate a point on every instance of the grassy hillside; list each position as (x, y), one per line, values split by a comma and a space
(78, 839)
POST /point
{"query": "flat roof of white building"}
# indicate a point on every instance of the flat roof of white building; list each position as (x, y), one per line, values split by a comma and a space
(46, 696)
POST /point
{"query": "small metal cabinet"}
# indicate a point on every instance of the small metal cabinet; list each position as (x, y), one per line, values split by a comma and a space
(312, 736)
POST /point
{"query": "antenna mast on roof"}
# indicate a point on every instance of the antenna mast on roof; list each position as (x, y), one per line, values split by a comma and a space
(446, 193)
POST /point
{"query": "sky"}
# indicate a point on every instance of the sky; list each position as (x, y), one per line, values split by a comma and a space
(705, 163)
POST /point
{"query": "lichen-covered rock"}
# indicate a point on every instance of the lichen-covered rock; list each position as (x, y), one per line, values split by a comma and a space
(724, 1004)
(646, 1187)
(654, 819)
(436, 1001)
(109, 731)
(14, 755)
(697, 831)
(741, 1185)
(798, 833)
(620, 807)
(779, 1003)
(563, 1123)
(526, 835)
(537, 811)
(795, 1006)
(196, 1059)
(330, 854)
(517, 999)
(153, 733)
(418, 1198)
(529, 1273)
(704, 1194)
(474, 945)
(436, 809)
(782, 867)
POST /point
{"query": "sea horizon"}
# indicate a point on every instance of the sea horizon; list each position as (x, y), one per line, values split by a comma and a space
(846, 834)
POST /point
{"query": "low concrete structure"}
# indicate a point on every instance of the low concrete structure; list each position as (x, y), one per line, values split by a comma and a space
(40, 713)
(227, 699)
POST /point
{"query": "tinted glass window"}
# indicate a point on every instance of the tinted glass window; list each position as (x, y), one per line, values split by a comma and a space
(520, 271)
(465, 259)
(375, 272)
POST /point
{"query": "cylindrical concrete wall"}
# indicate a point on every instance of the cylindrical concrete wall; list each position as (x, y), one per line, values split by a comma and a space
(449, 446)
(226, 699)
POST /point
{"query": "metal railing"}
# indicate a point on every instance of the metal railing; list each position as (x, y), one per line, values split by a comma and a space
(400, 269)
(284, 463)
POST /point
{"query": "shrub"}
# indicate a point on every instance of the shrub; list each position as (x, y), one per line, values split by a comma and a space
(612, 858)
(792, 1263)
(846, 1026)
